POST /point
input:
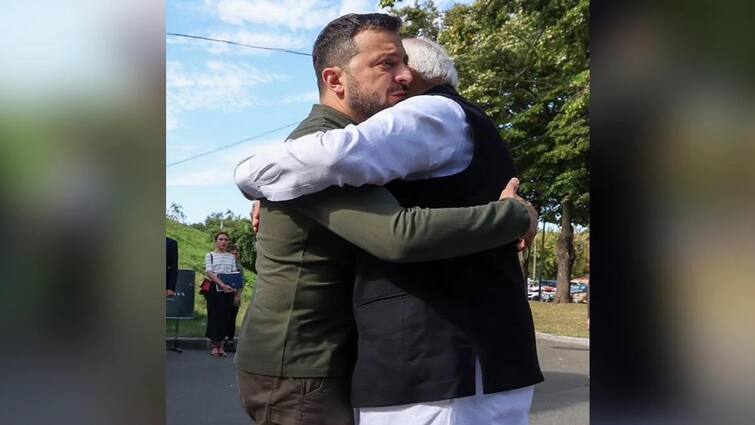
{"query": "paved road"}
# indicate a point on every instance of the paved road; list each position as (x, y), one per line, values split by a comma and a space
(201, 390)
(564, 397)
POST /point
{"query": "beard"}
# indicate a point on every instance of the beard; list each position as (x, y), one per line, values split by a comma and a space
(364, 104)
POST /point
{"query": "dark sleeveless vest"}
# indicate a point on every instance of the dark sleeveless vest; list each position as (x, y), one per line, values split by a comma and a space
(422, 325)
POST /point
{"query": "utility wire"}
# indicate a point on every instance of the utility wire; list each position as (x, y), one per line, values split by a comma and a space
(230, 145)
(218, 40)
(521, 145)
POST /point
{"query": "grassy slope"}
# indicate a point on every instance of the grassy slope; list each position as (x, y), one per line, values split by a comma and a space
(193, 245)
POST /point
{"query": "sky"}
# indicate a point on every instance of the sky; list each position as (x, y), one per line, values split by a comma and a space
(219, 94)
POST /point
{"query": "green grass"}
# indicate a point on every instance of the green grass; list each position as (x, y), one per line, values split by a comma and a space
(193, 245)
(560, 319)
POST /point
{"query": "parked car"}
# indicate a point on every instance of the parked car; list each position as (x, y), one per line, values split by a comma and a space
(549, 282)
(547, 292)
(577, 288)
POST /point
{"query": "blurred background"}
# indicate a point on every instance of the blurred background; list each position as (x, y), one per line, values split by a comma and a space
(82, 157)
(82, 125)
(672, 221)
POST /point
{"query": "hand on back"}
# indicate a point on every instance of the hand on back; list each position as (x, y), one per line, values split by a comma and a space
(510, 191)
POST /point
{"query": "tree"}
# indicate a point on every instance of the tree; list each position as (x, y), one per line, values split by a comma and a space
(544, 262)
(176, 212)
(526, 63)
(582, 250)
(420, 20)
(246, 241)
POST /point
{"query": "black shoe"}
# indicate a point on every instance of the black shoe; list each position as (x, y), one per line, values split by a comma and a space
(229, 346)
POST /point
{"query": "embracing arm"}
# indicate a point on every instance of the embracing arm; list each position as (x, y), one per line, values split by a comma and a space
(372, 219)
(421, 137)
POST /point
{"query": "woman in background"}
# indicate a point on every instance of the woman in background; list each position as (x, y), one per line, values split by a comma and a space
(230, 344)
(220, 297)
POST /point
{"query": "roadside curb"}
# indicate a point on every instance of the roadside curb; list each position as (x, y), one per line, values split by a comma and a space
(204, 343)
(185, 343)
(584, 342)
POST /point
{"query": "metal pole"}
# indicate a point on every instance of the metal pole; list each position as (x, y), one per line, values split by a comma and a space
(175, 340)
(533, 250)
(540, 269)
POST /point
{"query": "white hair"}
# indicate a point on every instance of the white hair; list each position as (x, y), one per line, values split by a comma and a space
(430, 60)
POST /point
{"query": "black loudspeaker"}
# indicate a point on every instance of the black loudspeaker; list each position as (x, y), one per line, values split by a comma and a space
(181, 305)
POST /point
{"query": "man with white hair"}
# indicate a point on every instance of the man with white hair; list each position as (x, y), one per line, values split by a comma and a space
(441, 342)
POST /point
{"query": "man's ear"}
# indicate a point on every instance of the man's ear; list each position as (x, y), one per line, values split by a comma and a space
(332, 77)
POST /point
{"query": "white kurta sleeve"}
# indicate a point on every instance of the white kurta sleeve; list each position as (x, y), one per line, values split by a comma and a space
(421, 137)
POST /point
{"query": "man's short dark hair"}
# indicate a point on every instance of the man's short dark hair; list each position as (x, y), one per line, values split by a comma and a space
(335, 45)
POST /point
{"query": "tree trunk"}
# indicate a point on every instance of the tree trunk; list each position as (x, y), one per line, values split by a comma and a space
(564, 254)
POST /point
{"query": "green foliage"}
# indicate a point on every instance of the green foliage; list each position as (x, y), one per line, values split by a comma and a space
(194, 244)
(581, 265)
(245, 240)
(176, 212)
(546, 257)
(420, 20)
(238, 228)
(526, 63)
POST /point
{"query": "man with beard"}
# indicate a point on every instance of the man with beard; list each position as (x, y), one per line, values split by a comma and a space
(441, 342)
(297, 344)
